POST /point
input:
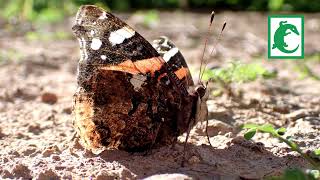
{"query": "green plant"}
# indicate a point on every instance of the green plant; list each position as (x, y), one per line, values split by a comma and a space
(252, 129)
(37, 10)
(10, 55)
(275, 5)
(305, 71)
(31, 8)
(150, 18)
(47, 36)
(238, 72)
(296, 174)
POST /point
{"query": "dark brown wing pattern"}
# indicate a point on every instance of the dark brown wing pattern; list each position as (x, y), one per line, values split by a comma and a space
(128, 96)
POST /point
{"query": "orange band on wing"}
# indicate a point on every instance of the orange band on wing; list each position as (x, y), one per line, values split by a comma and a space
(140, 66)
(181, 73)
(149, 65)
(126, 66)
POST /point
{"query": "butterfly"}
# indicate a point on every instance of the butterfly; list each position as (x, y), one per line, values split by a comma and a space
(131, 95)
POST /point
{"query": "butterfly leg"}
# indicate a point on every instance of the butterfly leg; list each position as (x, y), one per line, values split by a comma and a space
(185, 142)
(149, 150)
(207, 134)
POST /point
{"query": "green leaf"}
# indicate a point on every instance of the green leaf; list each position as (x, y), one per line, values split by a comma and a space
(275, 5)
(50, 15)
(248, 135)
(267, 128)
(317, 152)
(294, 174)
(151, 18)
(314, 174)
(238, 72)
(281, 131)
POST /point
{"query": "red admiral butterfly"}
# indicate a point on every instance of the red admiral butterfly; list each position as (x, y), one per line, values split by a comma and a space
(131, 95)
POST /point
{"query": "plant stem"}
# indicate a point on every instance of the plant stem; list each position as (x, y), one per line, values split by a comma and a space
(297, 149)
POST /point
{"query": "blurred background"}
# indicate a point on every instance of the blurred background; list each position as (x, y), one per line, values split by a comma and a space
(184, 21)
(37, 33)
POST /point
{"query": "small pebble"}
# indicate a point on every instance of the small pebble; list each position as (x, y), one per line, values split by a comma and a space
(48, 174)
(49, 98)
(28, 151)
(301, 113)
(105, 175)
(67, 110)
(50, 150)
(21, 170)
(194, 160)
(55, 157)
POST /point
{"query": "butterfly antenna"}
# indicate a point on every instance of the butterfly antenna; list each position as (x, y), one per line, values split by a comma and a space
(206, 43)
(214, 46)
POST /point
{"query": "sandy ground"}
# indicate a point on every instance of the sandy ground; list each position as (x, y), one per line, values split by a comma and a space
(36, 133)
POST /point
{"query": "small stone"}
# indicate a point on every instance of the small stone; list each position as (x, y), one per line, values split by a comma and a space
(301, 113)
(169, 177)
(124, 173)
(28, 151)
(59, 168)
(105, 175)
(67, 110)
(228, 135)
(25, 93)
(49, 98)
(20, 135)
(5, 160)
(6, 174)
(14, 153)
(283, 109)
(237, 140)
(2, 135)
(55, 158)
(76, 144)
(194, 160)
(215, 127)
(21, 170)
(51, 150)
(48, 174)
(34, 128)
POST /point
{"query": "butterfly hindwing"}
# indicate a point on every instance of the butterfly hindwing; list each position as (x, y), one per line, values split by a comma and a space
(174, 58)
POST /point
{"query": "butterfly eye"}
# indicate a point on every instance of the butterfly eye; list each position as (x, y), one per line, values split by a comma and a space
(200, 90)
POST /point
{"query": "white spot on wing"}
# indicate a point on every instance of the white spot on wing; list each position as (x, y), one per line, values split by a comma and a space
(92, 32)
(96, 44)
(103, 16)
(103, 57)
(137, 81)
(118, 36)
(170, 54)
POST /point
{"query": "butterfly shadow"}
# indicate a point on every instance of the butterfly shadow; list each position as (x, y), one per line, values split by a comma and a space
(236, 158)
